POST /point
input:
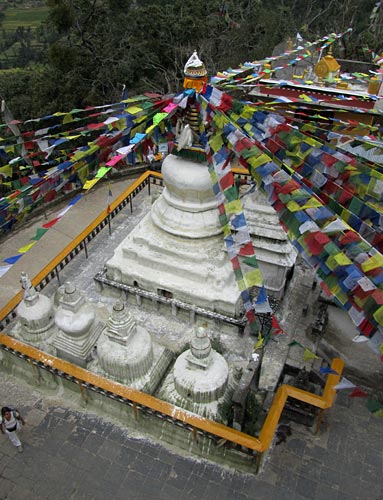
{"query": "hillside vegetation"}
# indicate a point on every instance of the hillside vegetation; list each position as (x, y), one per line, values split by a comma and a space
(74, 53)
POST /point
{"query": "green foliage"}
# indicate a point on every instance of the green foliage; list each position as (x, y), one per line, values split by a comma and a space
(89, 48)
(253, 414)
(226, 412)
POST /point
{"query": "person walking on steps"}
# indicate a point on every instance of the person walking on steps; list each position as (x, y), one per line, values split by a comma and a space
(10, 424)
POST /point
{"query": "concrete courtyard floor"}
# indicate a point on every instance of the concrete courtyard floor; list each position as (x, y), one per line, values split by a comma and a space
(71, 453)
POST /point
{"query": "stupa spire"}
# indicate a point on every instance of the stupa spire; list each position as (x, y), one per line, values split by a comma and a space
(195, 73)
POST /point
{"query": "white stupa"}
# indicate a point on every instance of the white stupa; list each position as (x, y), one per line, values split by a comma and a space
(275, 254)
(78, 327)
(177, 250)
(124, 350)
(35, 315)
(200, 379)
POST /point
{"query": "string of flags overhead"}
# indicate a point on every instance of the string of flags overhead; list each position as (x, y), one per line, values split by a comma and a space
(329, 200)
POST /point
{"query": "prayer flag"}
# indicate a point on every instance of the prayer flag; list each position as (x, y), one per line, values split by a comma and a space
(259, 343)
(276, 327)
(307, 355)
(327, 370)
(110, 197)
(262, 305)
(39, 233)
(358, 393)
(4, 269)
(51, 223)
(344, 384)
(295, 342)
(12, 260)
(25, 248)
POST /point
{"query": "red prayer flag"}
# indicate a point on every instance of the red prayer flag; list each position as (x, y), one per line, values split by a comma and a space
(246, 249)
(51, 223)
(276, 326)
(357, 393)
(227, 180)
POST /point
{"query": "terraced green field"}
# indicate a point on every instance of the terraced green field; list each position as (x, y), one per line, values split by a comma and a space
(21, 16)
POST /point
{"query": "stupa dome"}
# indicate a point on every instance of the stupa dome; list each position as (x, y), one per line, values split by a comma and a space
(74, 315)
(200, 373)
(124, 349)
(35, 313)
(188, 206)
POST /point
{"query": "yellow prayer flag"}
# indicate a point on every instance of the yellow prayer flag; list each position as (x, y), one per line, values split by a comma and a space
(68, 118)
(259, 343)
(241, 285)
(312, 203)
(307, 355)
(305, 98)
(293, 206)
(233, 207)
(90, 184)
(378, 316)
(120, 124)
(226, 230)
(311, 141)
(27, 247)
(254, 278)
(247, 112)
(342, 259)
(149, 129)
(258, 161)
(216, 142)
(221, 121)
(82, 172)
(248, 127)
(214, 177)
(372, 263)
(133, 110)
(6, 170)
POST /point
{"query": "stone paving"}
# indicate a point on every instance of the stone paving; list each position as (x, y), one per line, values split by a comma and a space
(73, 455)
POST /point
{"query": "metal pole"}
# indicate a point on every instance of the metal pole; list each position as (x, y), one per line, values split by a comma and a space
(86, 249)
(135, 412)
(83, 394)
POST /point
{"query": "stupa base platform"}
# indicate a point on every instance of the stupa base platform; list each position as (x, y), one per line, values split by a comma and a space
(188, 312)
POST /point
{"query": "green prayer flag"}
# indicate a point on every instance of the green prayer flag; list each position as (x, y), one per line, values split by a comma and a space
(39, 233)
(101, 172)
(294, 342)
(231, 193)
(373, 405)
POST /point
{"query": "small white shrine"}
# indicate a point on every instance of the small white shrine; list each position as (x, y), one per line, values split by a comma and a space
(124, 350)
(35, 315)
(200, 379)
(275, 254)
(78, 327)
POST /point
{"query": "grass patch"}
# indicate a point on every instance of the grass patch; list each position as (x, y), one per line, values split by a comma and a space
(32, 17)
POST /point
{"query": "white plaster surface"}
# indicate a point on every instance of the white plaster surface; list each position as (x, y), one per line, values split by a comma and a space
(176, 247)
(126, 362)
(205, 385)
